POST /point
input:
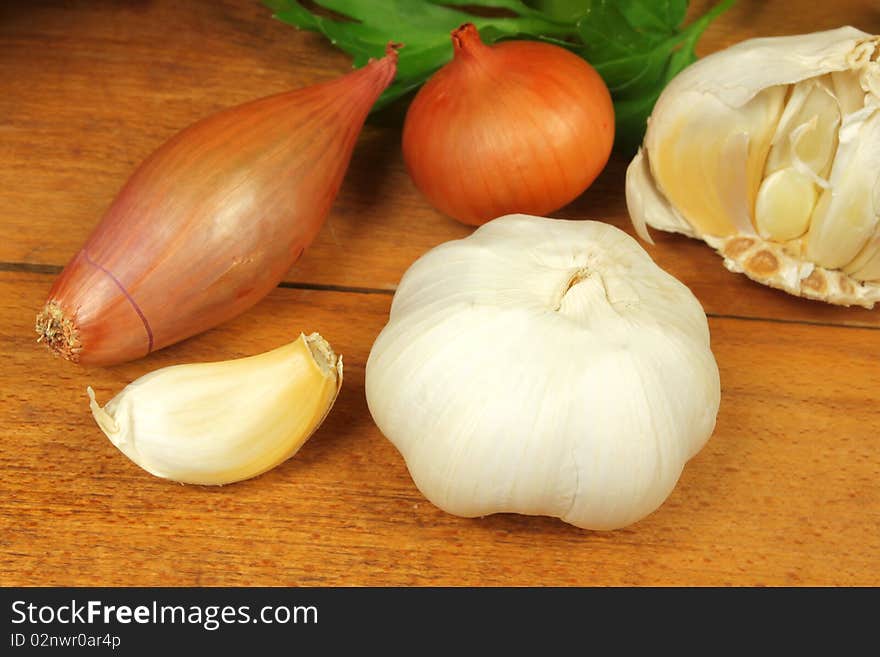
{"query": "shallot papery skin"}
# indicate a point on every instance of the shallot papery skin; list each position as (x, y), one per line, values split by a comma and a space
(210, 222)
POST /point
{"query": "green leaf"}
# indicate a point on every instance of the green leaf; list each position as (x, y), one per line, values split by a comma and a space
(637, 46)
(659, 16)
(564, 10)
(516, 6)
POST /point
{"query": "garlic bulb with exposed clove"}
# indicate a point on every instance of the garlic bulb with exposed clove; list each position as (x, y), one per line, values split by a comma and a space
(769, 151)
(217, 423)
(544, 367)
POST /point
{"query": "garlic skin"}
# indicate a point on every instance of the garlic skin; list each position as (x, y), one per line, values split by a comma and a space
(218, 423)
(769, 151)
(544, 367)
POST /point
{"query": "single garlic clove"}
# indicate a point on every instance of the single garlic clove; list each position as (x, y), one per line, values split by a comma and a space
(769, 151)
(846, 214)
(708, 158)
(218, 423)
(807, 129)
(866, 266)
(784, 205)
(799, 157)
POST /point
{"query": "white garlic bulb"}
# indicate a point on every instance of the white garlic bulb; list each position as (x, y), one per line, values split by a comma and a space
(769, 151)
(218, 423)
(544, 367)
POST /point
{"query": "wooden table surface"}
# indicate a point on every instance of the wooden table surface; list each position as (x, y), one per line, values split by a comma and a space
(787, 491)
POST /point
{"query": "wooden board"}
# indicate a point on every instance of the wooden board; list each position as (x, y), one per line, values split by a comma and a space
(784, 493)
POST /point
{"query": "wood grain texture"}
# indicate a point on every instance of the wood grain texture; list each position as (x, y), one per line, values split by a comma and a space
(78, 115)
(785, 492)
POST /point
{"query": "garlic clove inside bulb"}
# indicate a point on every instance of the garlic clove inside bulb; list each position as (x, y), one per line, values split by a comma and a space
(866, 265)
(784, 205)
(709, 162)
(847, 214)
(797, 163)
(218, 423)
(769, 151)
(544, 367)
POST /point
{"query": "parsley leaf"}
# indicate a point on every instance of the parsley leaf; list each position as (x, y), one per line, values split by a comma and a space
(637, 46)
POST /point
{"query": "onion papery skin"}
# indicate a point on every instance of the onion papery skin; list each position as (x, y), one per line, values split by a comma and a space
(521, 126)
(210, 222)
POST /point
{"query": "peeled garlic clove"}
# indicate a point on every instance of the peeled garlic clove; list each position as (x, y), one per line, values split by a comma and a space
(785, 204)
(218, 423)
(769, 151)
(544, 367)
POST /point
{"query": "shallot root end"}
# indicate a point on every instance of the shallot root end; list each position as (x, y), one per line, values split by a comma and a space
(58, 332)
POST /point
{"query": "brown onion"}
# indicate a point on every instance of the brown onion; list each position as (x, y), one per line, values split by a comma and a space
(210, 222)
(521, 126)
